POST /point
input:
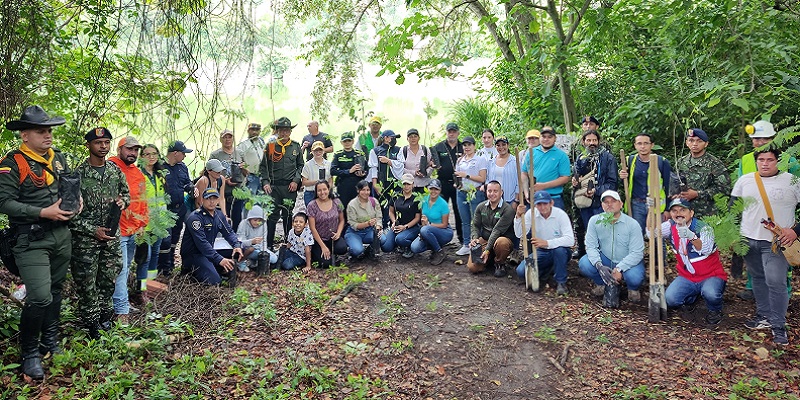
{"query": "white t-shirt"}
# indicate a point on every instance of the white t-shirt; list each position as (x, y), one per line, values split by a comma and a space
(297, 244)
(783, 191)
(472, 167)
(311, 171)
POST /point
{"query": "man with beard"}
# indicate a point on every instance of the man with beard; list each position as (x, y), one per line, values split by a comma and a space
(96, 255)
(29, 196)
(382, 171)
(280, 175)
(132, 222)
(597, 164)
(551, 168)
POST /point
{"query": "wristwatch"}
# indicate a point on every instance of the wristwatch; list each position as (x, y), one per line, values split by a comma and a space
(466, 176)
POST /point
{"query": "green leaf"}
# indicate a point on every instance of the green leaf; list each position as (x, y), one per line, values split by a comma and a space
(714, 101)
(741, 103)
(400, 79)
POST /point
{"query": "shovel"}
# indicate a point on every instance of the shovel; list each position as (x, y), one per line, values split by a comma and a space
(623, 162)
(531, 263)
(657, 309)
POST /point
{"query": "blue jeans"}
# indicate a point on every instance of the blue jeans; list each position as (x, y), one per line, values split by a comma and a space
(551, 261)
(467, 211)
(253, 183)
(391, 240)
(633, 277)
(291, 261)
(431, 237)
(273, 257)
(558, 202)
(152, 264)
(356, 239)
(768, 270)
(683, 291)
(589, 212)
(120, 297)
(639, 213)
(307, 197)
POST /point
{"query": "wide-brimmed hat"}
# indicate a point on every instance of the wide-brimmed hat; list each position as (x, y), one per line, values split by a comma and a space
(33, 117)
(283, 122)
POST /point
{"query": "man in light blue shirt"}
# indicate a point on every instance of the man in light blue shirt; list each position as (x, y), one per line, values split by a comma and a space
(551, 168)
(615, 246)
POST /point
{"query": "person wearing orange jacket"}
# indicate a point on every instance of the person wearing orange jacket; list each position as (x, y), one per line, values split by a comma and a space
(132, 222)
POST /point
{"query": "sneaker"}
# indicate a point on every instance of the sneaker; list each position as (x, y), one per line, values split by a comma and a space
(500, 270)
(779, 336)
(407, 253)
(438, 257)
(746, 294)
(463, 251)
(758, 322)
(243, 267)
(561, 289)
(598, 290)
(713, 317)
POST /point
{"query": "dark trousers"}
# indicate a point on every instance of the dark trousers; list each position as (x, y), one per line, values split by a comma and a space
(204, 270)
(339, 248)
(449, 194)
(235, 208)
(284, 204)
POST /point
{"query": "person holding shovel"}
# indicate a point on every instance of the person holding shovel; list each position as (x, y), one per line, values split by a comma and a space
(699, 268)
(614, 249)
(552, 240)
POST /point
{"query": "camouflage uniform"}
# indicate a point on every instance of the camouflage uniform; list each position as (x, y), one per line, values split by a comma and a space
(707, 175)
(95, 263)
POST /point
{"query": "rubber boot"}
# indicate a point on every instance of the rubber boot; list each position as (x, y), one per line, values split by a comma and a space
(106, 318)
(30, 327)
(49, 343)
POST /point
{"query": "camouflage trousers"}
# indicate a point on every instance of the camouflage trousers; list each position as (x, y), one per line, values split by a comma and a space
(95, 266)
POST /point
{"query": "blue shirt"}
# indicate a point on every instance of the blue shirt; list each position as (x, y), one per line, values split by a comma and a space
(201, 231)
(177, 179)
(621, 242)
(436, 212)
(548, 166)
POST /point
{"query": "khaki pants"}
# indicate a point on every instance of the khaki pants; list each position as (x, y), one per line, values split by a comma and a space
(497, 254)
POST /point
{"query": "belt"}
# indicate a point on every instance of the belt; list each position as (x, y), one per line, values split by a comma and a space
(44, 225)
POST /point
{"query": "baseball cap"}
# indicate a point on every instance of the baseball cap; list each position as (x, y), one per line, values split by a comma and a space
(698, 133)
(178, 146)
(97, 133)
(408, 178)
(376, 119)
(412, 131)
(679, 202)
(547, 129)
(347, 136)
(389, 133)
(468, 139)
(452, 126)
(210, 192)
(542, 196)
(255, 126)
(501, 139)
(318, 145)
(214, 165)
(533, 133)
(761, 129)
(590, 118)
(225, 132)
(435, 184)
(611, 193)
(129, 142)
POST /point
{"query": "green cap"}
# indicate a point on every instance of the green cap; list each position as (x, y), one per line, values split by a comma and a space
(347, 136)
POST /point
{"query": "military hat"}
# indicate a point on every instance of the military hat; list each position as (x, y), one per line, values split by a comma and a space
(34, 117)
(98, 133)
(283, 122)
(698, 133)
(254, 125)
(590, 118)
(347, 136)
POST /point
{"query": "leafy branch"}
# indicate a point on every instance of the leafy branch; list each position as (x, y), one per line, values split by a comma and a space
(726, 224)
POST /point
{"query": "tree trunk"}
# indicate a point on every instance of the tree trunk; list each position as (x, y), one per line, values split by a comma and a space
(502, 43)
(567, 101)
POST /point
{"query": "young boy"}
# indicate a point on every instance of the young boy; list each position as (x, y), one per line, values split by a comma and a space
(251, 233)
(298, 242)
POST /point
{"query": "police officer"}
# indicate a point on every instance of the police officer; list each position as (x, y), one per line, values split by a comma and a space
(178, 183)
(197, 248)
(347, 170)
(280, 175)
(29, 196)
(96, 255)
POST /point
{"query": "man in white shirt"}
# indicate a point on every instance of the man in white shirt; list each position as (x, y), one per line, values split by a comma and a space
(766, 264)
(553, 239)
(252, 149)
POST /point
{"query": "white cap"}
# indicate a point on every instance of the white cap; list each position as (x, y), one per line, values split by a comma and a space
(763, 129)
(611, 193)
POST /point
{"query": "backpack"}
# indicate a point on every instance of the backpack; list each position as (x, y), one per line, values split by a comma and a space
(585, 183)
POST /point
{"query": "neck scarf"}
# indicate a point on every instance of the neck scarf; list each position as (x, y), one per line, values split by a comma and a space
(46, 160)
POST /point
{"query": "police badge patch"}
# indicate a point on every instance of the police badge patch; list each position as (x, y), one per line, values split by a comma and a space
(196, 225)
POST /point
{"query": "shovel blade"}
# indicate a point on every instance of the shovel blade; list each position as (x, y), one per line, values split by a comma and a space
(657, 310)
(532, 275)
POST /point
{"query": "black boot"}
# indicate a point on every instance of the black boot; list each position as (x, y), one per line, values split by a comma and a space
(49, 343)
(30, 327)
(106, 318)
(92, 327)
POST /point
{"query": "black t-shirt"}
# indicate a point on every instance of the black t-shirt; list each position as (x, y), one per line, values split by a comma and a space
(321, 137)
(405, 209)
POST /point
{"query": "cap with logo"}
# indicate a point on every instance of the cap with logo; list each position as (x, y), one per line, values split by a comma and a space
(590, 118)
(389, 133)
(412, 131)
(375, 119)
(254, 125)
(178, 146)
(697, 133)
(501, 139)
(547, 130)
(97, 133)
(435, 184)
(318, 146)
(542, 196)
(225, 132)
(452, 126)
(347, 136)
(680, 202)
(210, 192)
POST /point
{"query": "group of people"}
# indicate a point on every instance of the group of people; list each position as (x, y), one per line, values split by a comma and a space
(373, 196)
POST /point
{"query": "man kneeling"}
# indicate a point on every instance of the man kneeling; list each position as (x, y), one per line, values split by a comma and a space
(199, 258)
(700, 271)
(492, 229)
